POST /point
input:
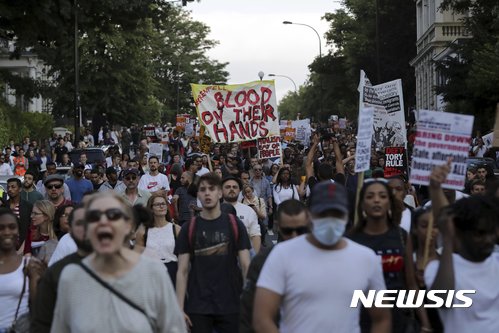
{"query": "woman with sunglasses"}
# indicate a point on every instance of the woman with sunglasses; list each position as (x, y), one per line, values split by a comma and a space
(378, 228)
(158, 240)
(118, 289)
(15, 291)
(41, 240)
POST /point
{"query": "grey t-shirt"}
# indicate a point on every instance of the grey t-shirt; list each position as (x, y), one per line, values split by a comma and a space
(84, 305)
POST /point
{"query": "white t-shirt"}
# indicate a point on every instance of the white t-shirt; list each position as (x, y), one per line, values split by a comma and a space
(317, 285)
(5, 170)
(281, 194)
(154, 183)
(65, 247)
(11, 285)
(483, 315)
(248, 216)
(202, 172)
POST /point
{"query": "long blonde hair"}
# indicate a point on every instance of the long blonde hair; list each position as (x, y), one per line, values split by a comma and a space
(48, 209)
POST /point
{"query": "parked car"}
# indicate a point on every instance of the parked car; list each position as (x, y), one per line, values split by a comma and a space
(474, 162)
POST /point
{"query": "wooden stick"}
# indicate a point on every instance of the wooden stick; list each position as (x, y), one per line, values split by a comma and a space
(360, 183)
(426, 253)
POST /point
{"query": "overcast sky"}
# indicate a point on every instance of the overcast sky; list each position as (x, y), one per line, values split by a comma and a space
(252, 37)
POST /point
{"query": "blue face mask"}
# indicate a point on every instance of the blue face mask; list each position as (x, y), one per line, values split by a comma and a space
(328, 230)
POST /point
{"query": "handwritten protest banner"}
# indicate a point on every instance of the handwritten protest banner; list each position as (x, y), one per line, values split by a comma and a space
(439, 136)
(388, 103)
(364, 138)
(240, 112)
(395, 161)
(269, 147)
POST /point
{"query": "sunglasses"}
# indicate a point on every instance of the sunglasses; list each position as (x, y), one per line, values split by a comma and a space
(54, 186)
(288, 231)
(112, 214)
(131, 178)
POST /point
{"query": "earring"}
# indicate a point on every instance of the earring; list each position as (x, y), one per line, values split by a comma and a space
(364, 215)
(389, 213)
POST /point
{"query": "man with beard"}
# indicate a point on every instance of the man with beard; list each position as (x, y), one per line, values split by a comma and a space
(71, 249)
(78, 185)
(231, 167)
(5, 169)
(183, 199)
(132, 194)
(231, 187)
(112, 183)
(154, 182)
(54, 185)
(51, 170)
(29, 192)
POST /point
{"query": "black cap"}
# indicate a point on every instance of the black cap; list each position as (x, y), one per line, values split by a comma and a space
(131, 171)
(111, 170)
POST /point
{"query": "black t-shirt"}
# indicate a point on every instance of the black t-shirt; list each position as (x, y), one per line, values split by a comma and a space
(59, 151)
(215, 280)
(391, 249)
(184, 201)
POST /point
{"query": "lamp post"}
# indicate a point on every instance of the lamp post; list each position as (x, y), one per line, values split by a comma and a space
(306, 25)
(320, 57)
(77, 113)
(287, 77)
(261, 74)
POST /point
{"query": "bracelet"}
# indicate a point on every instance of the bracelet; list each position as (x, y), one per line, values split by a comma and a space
(426, 329)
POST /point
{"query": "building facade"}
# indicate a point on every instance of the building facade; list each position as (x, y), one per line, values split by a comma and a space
(436, 30)
(28, 65)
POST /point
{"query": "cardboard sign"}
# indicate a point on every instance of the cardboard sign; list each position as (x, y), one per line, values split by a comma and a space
(236, 113)
(156, 149)
(395, 161)
(440, 136)
(364, 138)
(150, 132)
(269, 147)
(182, 120)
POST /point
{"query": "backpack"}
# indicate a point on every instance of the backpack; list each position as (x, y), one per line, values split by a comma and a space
(192, 231)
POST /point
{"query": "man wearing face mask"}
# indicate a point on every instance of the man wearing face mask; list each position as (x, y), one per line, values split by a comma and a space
(78, 185)
(313, 294)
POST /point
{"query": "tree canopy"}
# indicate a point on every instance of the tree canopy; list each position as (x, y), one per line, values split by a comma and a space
(472, 72)
(332, 86)
(134, 56)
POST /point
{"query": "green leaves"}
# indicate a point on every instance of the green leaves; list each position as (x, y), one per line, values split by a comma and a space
(133, 55)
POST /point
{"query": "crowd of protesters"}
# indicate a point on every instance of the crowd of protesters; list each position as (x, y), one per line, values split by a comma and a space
(186, 241)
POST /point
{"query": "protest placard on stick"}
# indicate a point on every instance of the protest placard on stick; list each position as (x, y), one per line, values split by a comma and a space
(441, 136)
(364, 138)
(395, 161)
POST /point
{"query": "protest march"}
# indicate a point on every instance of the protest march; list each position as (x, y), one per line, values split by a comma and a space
(235, 220)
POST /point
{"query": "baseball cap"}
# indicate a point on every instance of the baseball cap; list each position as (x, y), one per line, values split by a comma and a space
(130, 171)
(51, 178)
(326, 196)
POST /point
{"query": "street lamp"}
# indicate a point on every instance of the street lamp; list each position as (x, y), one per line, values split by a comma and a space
(320, 57)
(261, 74)
(77, 111)
(287, 77)
(306, 25)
